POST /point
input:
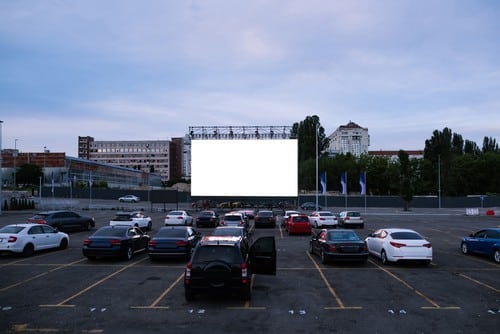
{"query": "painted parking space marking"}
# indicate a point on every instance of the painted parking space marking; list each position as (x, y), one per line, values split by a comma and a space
(341, 305)
(479, 282)
(154, 304)
(434, 306)
(64, 302)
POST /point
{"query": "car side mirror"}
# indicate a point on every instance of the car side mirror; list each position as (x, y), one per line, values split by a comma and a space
(471, 235)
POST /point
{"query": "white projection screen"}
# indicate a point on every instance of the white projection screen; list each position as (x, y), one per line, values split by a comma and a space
(240, 167)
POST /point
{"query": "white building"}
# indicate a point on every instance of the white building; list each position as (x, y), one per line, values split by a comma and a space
(349, 138)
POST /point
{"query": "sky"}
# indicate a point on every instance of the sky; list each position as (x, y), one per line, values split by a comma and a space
(147, 70)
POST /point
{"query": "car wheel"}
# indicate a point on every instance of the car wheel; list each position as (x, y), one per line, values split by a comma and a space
(63, 244)
(150, 226)
(323, 257)
(496, 256)
(129, 254)
(311, 251)
(464, 248)
(28, 250)
(383, 257)
(315, 224)
(188, 294)
(86, 227)
(247, 293)
(91, 258)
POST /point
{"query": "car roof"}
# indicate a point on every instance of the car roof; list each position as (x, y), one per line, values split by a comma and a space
(220, 240)
(24, 224)
(397, 229)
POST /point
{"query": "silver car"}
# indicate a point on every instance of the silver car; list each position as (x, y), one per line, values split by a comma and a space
(351, 219)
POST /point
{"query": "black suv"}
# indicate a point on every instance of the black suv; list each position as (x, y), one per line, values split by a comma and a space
(222, 264)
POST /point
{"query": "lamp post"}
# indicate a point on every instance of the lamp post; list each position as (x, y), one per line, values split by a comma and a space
(1, 180)
(14, 154)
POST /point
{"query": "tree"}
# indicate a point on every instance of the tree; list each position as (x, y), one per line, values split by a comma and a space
(490, 145)
(29, 174)
(406, 190)
(305, 132)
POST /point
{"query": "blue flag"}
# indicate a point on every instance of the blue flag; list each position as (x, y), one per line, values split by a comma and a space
(343, 183)
(322, 182)
(362, 183)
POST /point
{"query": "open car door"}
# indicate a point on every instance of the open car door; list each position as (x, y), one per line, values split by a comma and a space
(262, 256)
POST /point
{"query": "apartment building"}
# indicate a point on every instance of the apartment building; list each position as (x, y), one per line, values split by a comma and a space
(349, 138)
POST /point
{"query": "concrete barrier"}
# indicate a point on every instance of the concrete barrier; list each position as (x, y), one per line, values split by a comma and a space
(471, 211)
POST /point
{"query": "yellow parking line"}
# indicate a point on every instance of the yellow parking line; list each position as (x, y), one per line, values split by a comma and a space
(430, 301)
(154, 304)
(40, 275)
(479, 282)
(63, 303)
(332, 291)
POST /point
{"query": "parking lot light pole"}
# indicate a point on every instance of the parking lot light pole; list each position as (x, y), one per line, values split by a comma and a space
(1, 180)
(15, 158)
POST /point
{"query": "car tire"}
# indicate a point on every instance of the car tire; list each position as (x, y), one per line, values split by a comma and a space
(383, 257)
(188, 294)
(324, 259)
(91, 258)
(150, 226)
(63, 244)
(86, 227)
(311, 251)
(28, 250)
(496, 256)
(129, 254)
(315, 224)
(463, 248)
(246, 293)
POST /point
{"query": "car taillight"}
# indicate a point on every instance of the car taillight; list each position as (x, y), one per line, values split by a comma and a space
(12, 239)
(223, 223)
(180, 217)
(187, 276)
(397, 244)
(181, 243)
(365, 247)
(152, 243)
(332, 248)
(346, 218)
(115, 242)
(244, 273)
(167, 217)
(86, 242)
(322, 219)
(427, 245)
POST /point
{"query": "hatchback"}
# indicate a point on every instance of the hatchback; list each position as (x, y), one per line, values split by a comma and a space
(485, 242)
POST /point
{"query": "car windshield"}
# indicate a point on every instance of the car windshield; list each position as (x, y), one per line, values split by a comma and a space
(110, 232)
(227, 232)
(171, 233)
(227, 254)
(406, 236)
(11, 229)
(342, 235)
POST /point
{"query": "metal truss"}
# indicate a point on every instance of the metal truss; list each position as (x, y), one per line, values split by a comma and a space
(240, 132)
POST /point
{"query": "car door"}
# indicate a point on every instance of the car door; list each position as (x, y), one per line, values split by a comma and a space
(139, 239)
(477, 242)
(375, 241)
(51, 236)
(39, 239)
(70, 220)
(262, 256)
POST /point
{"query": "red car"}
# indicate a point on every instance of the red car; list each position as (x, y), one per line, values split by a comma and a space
(298, 224)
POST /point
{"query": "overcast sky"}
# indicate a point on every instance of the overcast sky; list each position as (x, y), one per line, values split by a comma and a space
(147, 70)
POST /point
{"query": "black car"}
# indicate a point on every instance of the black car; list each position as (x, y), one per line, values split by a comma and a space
(173, 242)
(220, 265)
(63, 220)
(338, 245)
(265, 218)
(115, 241)
(235, 231)
(207, 218)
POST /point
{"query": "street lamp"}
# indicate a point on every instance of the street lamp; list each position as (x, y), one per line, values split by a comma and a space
(1, 180)
(14, 154)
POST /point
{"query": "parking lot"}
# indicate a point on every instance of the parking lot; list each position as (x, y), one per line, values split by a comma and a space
(63, 292)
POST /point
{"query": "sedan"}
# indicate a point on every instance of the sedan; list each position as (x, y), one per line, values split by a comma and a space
(207, 218)
(484, 242)
(135, 218)
(265, 218)
(351, 218)
(323, 219)
(63, 220)
(26, 239)
(115, 241)
(178, 217)
(298, 224)
(398, 244)
(129, 198)
(338, 245)
(173, 241)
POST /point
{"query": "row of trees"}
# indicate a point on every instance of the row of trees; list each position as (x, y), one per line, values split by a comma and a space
(450, 164)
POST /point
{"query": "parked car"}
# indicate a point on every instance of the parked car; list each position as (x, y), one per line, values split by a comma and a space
(248, 213)
(207, 218)
(134, 218)
(173, 242)
(310, 206)
(287, 214)
(485, 242)
(298, 224)
(63, 220)
(265, 218)
(234, 219)
(398, 244)
(351, 219)
(129, 198)
(323, 219)
(28, 238)
(178, 217)
(221, 265)
(338, 245)
(115, 241)
(234, 231)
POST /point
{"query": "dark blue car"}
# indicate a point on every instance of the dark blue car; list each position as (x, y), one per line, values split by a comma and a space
(485, 242)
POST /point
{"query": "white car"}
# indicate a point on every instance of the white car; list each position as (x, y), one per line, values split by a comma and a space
(178, 217)
(26, 239)
(350, 219)
(286, 215)
(135, 218)
(398, 244)
(323, 219)
(129, 198)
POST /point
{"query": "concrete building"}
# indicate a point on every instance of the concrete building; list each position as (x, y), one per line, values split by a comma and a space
(161, 157)
(349, 138)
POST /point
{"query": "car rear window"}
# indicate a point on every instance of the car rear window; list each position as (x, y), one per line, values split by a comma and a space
(171, 232)
(300, 219)
(228, 254)
(122, 218)
(353, 214)
(11, 229)
(326, 214)
(233, 218)
(39, 216)
(265, 213)
(206, 214)
(342, 235)
(176, 213)
(110, 232)
(406, 236)
(227, 232)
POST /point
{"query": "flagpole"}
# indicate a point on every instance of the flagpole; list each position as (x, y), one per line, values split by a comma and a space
(326, 204)
(316, 141)
(365, 190)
